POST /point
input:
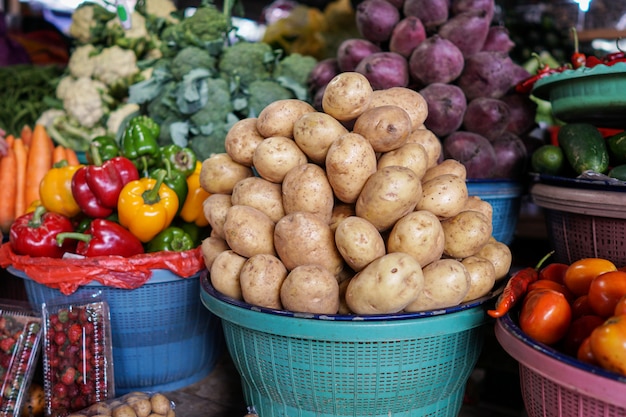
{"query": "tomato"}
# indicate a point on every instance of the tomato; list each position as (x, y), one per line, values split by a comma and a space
(579, 274)
(608, 344)
(620, 307)
(581, 307)
(585, 354)
(605, 291)
(545, 315)
(553, 285)
(553, 272)
(579, 330)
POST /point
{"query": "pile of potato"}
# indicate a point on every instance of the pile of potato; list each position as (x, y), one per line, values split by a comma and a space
(133, 404)
(348, 210)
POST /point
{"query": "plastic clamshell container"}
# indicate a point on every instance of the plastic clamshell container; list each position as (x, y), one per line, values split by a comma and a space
(77, 356)
(142, 403)
(20, 335)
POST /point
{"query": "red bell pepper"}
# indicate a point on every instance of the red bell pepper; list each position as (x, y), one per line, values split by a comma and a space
(34, 234)
(97, 187)
(105, 238)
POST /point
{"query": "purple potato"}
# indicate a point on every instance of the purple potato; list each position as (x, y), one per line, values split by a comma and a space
(467, 30)
(436, 60)
(324, 71)
(407, 35)
(375, 19)
(352, 51)
(518, 73)
(523, 112)
(432, 13)
(486, 74)
(446, 107)
(385, 70)
(474, 151)
(486, 116)
(498, 40)
(511, 156)
(461, 6)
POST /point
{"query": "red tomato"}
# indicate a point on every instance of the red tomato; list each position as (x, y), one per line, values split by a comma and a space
(553, 272)
(579, 274)
(579, 330)
(581, 307)
(605, 291)
(585, 354)
(608, 344)
(545, 316)
(620, 307)
(552, 285)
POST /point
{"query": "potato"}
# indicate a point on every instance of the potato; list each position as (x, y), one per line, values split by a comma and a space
(279, 117)
(500, 256)
(219, 174)
(387, 285)
(141, 406)
(359, 242)
(347, 95)
(310, 289)
(261, 194)
(249, 231)
(303, 238)
(465, 234)
(275, 156)
(314, 133)
(349, 163)
(123, 410)
(482, 276)
(340, 212)
(446, 282)
(389, 194)
(444, 196)
(410, 100)
(211, 247)
(261, 278)
(475, 203)
(430, 142)
(419, 234)
(343, 306)
(101, 408)
(215, 208)
(409, 155)
(385, 127)
(242, 139)
(160, 403)
(225, 272)
(306, 188)
(447, 166)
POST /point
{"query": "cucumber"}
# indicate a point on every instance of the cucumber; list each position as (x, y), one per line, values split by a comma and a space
(618, 172)
(617, 148)
(584, 147)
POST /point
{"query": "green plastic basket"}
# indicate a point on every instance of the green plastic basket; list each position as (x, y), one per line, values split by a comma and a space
(405, 365)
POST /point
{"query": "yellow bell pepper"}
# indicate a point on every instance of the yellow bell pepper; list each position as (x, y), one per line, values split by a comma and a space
(55, 190)
(146, 207)
(192, 211)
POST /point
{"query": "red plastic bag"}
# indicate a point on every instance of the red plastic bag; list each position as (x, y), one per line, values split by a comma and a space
(68, 274)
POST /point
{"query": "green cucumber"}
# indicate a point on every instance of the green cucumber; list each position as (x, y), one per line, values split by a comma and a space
(617, 148)
(584, 147)
(618, 172)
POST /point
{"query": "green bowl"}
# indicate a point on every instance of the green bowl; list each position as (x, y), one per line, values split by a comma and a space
(587, 95)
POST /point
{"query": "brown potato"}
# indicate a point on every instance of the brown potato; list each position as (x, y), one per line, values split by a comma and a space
(410, 100)
(446, 282)
(419, 234)
(225, 272)
(219, 174)
(275, 156)
(482, 276)
(249, 231)
(160, 403)
(465, 234)
(387, 285)
(444, 196)
(349, 163)
(314, 133)
(409, 155)
(500, 256)
(359, 242)
(215, 208)
(261, 278)
(141, 406)
(261, 194)
(279, 117)
(447, 166)
(430, 142)
(303, 238)
(211, 247)
(306, 188)
(123, 410)
(475, 203)
(340, 212)
(385, 127)
(346, 96)
(242, 139)
(389, 194)
(310, 289)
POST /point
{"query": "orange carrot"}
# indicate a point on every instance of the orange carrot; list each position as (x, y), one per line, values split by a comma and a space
(21, 156)
(8, 168)
(39, 162)
(9, 140)
(58, 154)
(72, 157)
(26, 134)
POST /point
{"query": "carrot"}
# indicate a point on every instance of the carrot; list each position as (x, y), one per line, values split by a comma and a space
(26, 134)
(21, 156)
(58, 154)
(72, 157)
(39, 162)
(8, 168)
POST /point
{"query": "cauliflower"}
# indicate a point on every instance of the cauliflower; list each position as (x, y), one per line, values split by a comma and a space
(64, 86)
(83, 102)
(137, 28)
(89, 21)
(118, 115)
(115, 63)
(82, 62)
(161, 8)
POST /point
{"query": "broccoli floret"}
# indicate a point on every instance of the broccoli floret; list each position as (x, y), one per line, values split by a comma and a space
(247, 62)
(206, 145)
(189, 58)
(263, 92)
(295, 67)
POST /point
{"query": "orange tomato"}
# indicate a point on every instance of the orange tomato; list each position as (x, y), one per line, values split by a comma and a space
(579, 330)
(546, 315)
(605, 291)
(620, 307)
(553, 285)
(608, 344)
(579, 274)
(553, 272)
(585, 354)
(581, 307)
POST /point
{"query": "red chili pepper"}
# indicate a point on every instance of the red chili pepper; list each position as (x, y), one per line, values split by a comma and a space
(592, 61)
(613, 56)
(105, 238)
(525, 86)
(34, 234)
(553, 272)
(578, 59)
(614, 61)
(516, 287)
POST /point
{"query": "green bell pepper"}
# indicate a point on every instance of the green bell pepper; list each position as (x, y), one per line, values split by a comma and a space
(140, 142)
(174, 179)
(197, 233)
(105, 146)
(172, 239)
(182, 159)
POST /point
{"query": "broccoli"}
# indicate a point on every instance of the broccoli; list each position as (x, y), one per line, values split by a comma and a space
(247, 62)
(216, 109)
(206, 145)
(295, 67)
(189, 58)
(263, 92)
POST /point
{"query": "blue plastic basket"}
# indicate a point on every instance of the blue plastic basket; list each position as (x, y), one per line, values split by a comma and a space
(506, 199)
(163, 337)
(405, 365)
